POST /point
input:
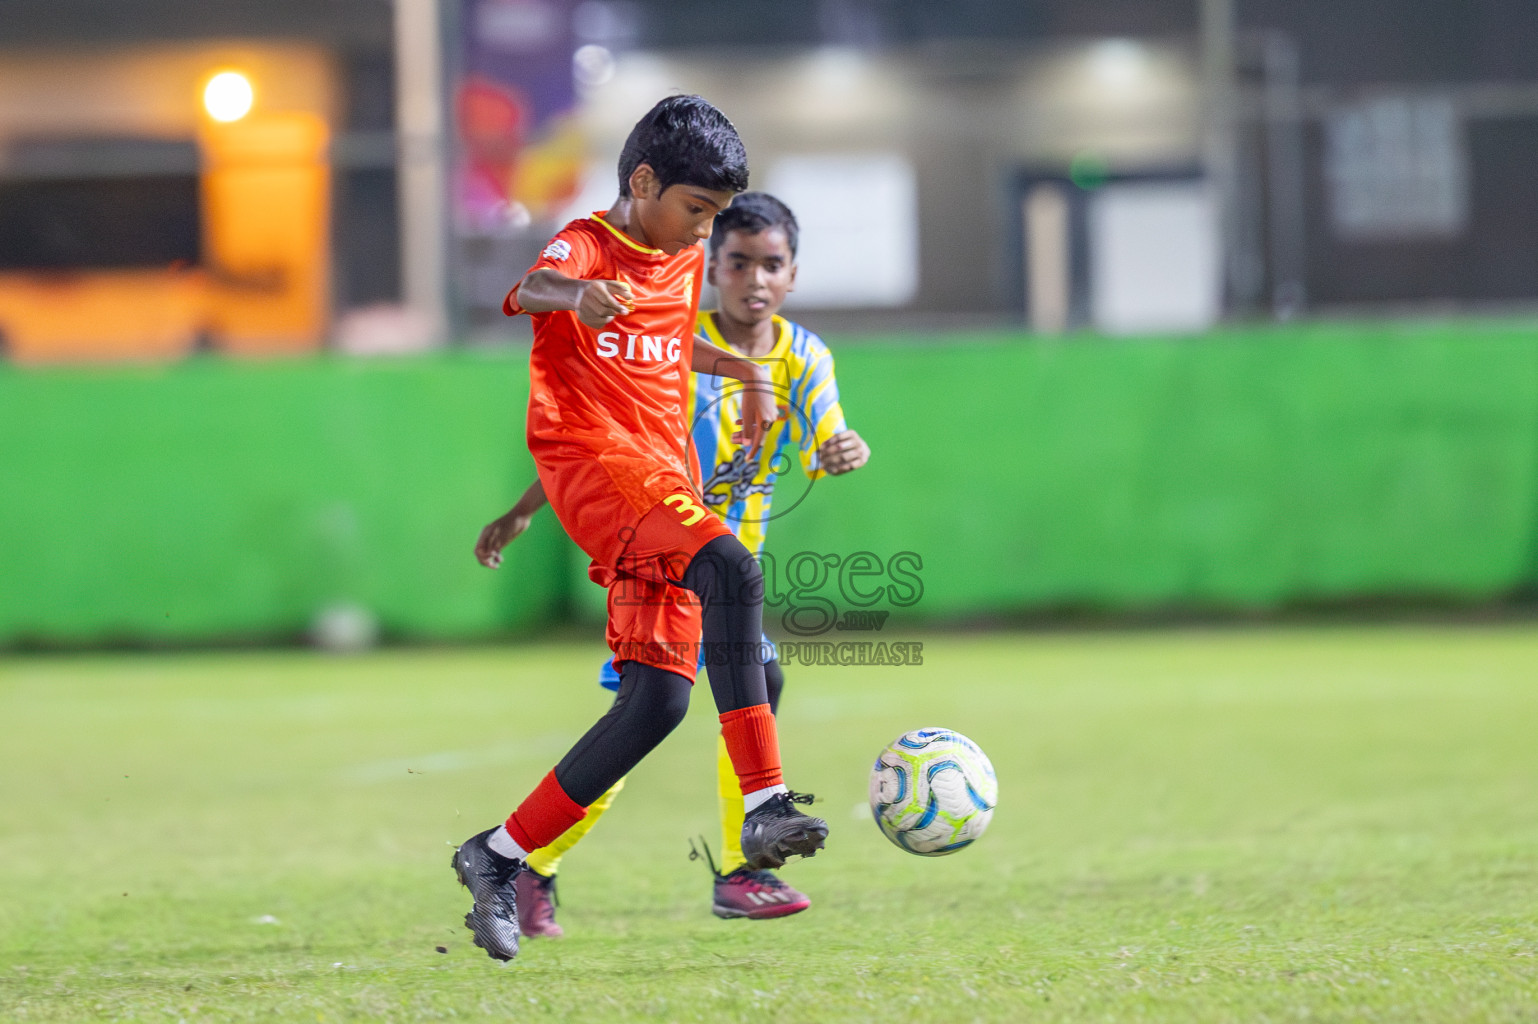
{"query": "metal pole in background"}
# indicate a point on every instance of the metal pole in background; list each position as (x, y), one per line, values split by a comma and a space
(1219, 153)
(1284, 172)
(421, 175)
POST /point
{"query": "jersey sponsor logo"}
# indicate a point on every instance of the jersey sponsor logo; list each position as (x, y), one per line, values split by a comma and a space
(736, 479)
(560, 249)
(685, 507)
(639, 348)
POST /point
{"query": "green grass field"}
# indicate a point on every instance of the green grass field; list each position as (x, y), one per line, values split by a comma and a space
(1247, 825)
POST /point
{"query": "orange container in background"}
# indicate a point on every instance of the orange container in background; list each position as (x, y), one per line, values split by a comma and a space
(263, 283)
(102, 314)
(266, 215)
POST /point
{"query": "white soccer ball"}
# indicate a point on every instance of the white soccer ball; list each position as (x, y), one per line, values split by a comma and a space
(933, 791)
(344, 628)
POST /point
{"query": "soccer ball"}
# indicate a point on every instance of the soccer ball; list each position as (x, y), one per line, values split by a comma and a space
(933, 791)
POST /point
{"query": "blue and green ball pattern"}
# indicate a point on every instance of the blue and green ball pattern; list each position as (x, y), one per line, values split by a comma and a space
(932, 792)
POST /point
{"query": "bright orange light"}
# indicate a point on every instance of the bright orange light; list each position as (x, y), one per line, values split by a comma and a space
(228, 96)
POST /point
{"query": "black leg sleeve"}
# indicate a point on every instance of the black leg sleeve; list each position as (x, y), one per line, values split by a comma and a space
(650, 704)
(731, 591)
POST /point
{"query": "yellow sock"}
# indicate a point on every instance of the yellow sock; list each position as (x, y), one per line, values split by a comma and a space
(547, 859)
(730, 793)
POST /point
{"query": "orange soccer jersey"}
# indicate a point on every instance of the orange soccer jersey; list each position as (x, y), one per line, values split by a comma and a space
(620, 392)
(608, 433)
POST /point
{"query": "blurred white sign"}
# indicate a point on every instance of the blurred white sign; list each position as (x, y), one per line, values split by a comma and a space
(858, 214)
(518, 25)
(1154, 257)
(1397, 168)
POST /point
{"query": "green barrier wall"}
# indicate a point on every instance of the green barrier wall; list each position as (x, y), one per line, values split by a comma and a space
(217, 500)
(1243, 470)
(227, 500)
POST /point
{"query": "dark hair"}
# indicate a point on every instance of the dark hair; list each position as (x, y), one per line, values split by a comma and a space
(753, 212)
(686, 141)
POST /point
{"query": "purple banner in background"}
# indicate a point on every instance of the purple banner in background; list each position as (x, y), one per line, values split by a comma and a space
(521, 153)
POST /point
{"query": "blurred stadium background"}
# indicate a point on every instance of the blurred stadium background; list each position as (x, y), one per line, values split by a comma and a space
(1167, 304)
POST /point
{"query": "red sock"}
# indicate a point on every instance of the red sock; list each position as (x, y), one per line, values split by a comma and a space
(544, 815)
(753, 744)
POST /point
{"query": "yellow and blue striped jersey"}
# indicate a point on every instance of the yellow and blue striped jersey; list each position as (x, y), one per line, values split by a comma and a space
(742, 493)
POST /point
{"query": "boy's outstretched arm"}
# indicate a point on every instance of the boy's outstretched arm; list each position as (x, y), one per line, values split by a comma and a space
(595, 302)
(842, 453)
(759, 405)
(503, 530)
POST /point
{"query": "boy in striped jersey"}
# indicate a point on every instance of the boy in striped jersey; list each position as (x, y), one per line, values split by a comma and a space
(752, 265)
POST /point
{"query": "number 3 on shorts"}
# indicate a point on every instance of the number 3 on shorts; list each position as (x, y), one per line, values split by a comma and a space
(686, 507)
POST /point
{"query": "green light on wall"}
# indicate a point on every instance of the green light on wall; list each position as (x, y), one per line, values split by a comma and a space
(1089, 170)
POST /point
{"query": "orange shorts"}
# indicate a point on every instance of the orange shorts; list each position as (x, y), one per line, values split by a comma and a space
(639, 556)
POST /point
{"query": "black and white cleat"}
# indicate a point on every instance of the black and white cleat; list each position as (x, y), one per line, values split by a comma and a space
(493, 918)
(775, 831)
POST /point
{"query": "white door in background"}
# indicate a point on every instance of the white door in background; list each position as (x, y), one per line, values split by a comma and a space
(858, 214)
(1155, 261)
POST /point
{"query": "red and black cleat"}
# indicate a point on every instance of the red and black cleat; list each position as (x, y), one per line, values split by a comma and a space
(536, 905)
(756, 895)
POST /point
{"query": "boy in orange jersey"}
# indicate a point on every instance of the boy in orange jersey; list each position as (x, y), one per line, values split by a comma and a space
(752, 263)
(614, 298)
